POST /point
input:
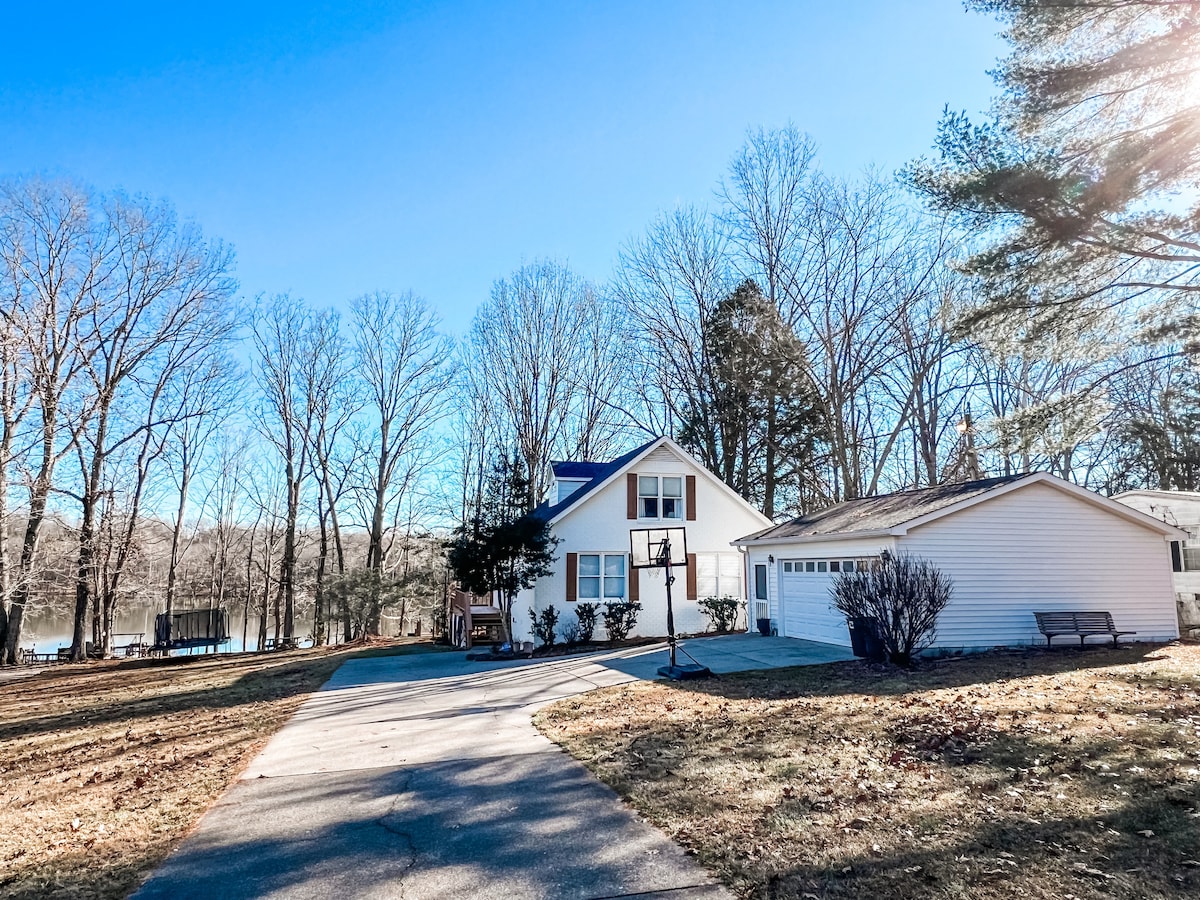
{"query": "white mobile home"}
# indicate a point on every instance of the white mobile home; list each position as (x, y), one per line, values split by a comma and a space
(1181, 509)
(1012, 546)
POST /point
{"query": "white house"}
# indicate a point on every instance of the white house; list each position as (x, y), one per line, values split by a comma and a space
(1181, 509)
(1012, 546)
(591, 509)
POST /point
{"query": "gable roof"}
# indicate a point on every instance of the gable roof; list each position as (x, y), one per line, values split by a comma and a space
(606, 473)
(895, 514)
(599, 473)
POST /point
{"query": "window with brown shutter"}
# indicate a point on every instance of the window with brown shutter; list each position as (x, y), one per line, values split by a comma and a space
(631, 497)
(691, 498)
(572, 576)
(691, 577)
(635, 592)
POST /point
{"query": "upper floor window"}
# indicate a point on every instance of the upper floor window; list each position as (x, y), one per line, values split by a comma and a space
(660, 497)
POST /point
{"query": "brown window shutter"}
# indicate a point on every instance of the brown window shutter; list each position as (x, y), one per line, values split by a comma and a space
(691, 575)
(635, 589)
(572, 577)
(631, 496)
(690, 501)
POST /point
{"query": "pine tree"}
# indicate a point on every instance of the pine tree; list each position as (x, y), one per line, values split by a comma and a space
(501, 549)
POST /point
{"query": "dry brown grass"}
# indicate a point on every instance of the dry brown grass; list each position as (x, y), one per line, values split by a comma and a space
(1061, 774)
(105, 766)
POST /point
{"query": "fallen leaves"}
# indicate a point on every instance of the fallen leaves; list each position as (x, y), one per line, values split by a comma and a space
(107, 766)
(1001, 774)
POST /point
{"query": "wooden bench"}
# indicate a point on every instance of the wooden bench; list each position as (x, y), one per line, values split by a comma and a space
(1083, 624)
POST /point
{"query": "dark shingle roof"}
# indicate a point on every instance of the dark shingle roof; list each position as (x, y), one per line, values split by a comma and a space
(599, 474)
(568, 469)
(872, 514)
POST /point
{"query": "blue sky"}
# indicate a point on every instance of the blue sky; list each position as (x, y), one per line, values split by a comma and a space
(343, 148)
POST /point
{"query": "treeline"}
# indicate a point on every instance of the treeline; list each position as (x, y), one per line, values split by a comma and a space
(811, 339)
(139, 394)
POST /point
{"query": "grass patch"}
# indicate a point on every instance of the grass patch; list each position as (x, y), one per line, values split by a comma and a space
(1061, 774)
(105, 766)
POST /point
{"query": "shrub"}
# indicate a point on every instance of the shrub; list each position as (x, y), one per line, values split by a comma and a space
(587, 613)
(570, 633)
(721, 612)
(619, 619)
(904, 594)
(544, 625)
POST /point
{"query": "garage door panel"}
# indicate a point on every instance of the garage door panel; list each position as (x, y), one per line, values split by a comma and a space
(808, 610)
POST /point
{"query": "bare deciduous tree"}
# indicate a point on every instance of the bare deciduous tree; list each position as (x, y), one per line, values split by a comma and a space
(159, 313)
(549, 353)
(404, 366)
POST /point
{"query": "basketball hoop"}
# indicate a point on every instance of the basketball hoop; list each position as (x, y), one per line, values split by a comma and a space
(664, 548)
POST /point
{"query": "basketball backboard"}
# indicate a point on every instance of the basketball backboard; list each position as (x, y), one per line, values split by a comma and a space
(648, 546)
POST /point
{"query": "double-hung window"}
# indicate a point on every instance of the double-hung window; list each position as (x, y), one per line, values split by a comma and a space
(601, 576)
(660, 497)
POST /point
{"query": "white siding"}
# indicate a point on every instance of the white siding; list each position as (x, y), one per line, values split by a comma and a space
(565, 487)
(599, 524)
(1037, 548)
(1181, 509)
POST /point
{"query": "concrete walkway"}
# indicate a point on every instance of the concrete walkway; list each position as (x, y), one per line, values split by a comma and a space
(422, 776)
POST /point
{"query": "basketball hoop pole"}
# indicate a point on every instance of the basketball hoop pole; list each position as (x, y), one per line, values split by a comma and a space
(666, 555)
(666, 549)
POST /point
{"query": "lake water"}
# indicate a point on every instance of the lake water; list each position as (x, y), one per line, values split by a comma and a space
(45, 630)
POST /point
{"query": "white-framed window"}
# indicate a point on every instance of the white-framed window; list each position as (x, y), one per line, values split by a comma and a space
(1189, 550)
(601, 576)
(827, 566)
(718, 575)
(660, 496)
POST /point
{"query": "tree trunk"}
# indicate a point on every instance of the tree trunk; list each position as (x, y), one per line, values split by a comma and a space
(176, 534)
(319, 594)
(33, 526)
(83, 573)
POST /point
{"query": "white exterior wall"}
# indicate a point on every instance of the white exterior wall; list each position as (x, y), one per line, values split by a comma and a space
(1038, 548)
(598, 525)
(1181, 509)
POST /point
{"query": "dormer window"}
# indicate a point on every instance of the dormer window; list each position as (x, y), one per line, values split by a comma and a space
(660, 497)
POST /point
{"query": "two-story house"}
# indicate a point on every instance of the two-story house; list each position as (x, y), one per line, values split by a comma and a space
(591, 509)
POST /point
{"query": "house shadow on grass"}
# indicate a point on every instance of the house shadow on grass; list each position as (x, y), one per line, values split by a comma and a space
(1119, 853)
(856, 781)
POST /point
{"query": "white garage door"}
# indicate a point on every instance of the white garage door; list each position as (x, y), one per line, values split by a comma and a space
(807, 607)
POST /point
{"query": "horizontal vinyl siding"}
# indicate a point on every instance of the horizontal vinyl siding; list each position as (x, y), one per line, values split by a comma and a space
(1038, 548)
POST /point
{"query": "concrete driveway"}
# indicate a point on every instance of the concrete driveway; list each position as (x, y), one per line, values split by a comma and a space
(422, 776)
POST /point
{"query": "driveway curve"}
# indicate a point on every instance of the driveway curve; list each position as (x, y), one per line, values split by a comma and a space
(422, 776)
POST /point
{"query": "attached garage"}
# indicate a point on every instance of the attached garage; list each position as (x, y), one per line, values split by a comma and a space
(1012, 546)
(805, 609)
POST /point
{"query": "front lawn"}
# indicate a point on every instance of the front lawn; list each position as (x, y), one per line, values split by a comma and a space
(105, 766)
(1032, 774)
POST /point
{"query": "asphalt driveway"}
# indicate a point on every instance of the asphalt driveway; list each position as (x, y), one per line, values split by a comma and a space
(422, 776)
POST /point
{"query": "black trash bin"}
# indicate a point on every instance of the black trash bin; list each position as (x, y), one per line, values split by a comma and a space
(864, 638)
(764, 627)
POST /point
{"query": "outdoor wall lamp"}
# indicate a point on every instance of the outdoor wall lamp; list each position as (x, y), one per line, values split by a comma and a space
(770, 559)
